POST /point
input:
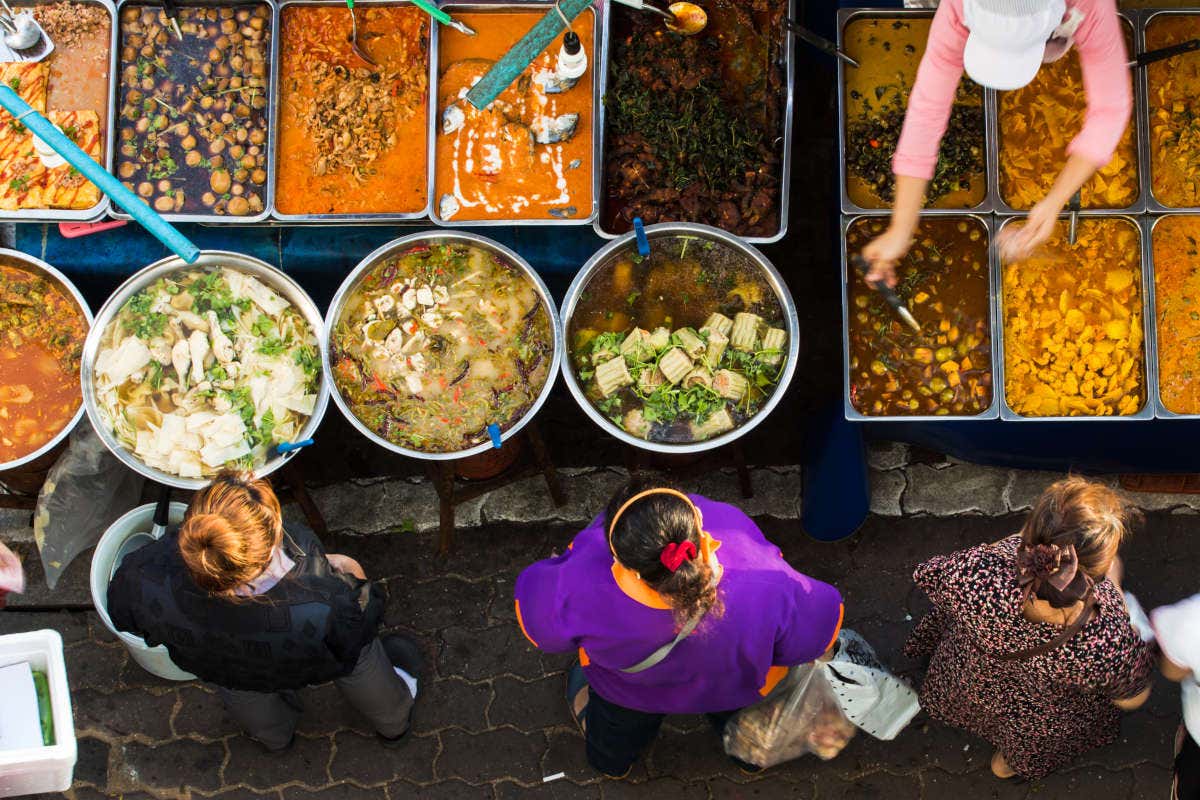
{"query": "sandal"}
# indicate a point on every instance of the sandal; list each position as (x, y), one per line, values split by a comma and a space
(576, 683)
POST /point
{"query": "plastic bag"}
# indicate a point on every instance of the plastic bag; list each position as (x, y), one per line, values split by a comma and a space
(870, 696)
(84, 493)
(800, 716)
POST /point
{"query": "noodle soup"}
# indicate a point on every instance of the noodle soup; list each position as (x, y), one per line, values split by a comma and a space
(41, 341)
(437, 343)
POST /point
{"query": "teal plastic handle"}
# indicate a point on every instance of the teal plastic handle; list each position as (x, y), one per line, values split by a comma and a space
(433, 11)
(164, 231)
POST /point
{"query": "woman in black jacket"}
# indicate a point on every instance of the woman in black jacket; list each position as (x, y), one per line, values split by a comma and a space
(261, 612)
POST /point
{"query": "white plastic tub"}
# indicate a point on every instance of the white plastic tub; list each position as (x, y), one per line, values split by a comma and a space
(154, 660)
(41, 770)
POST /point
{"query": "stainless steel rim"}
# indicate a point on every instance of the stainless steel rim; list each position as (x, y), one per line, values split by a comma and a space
(273, 277)
(36, 264)
(787, 305)
(439, 237)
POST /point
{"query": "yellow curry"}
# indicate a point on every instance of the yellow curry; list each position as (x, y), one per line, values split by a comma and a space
(1176, 243)
(1073, 324)
(1174, 87)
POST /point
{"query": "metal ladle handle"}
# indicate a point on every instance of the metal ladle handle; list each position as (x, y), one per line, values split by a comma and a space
(643, 6)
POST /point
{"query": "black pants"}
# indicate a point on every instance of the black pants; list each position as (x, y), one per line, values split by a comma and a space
(1187, 768)
(617, 736)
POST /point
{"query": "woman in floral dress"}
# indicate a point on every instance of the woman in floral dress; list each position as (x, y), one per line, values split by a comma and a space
(1029, 641)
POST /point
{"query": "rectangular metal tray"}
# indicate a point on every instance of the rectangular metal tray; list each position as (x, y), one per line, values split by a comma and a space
(268, 198)
(844, 17)
(789, 53)
(1139, 121)
(1148, 223)
(595, 70)
(1142, 82)
(1149, 358)
(342, 219)
(97, 211)
(993, 410)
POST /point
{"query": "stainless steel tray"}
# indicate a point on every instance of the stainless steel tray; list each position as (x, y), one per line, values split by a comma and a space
(993, 410)
(268, 199)
(844, 17)
(789, 51)
(1139, 116)
(1148, 224)
(1142, 82)
(107, 115)
(343, 219)
(596, 70)
(1149, 360)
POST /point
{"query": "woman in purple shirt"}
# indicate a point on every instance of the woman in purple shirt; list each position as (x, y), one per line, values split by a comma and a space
(666, 624)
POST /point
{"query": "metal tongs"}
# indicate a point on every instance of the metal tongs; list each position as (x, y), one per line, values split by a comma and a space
(889, 294)
(820, 42)
(172, 14)
(1150, 56)
(1073, 206)
(23, 36)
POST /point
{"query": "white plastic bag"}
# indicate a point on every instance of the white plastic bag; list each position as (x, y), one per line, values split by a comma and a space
(874, 699)
(84, 493)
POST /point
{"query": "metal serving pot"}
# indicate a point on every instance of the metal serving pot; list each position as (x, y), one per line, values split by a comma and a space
(273, 278)
(19, 260)
(774, 280)
(401, 245)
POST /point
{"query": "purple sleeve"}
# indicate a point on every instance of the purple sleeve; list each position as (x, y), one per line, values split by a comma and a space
(543, 595)
(811, 622)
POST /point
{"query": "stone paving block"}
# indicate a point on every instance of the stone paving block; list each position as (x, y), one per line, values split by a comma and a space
(88, 793)
(452, 702)
(16, 525)
(93, 666)
(174, 766)
(566, 753)
(1087, 782)
(326, 712)
(91, 761)
(887, 455)
(365, 761)
(72, 590)
(556, 790)
(981, 785)
(1150, 782)
(776, 491)
(529, 500)
(482, 654)
(443, 790)
(920, 746)
(502, 610)
(201, 713)
(238, 793)
(134, 677)
(887, 492)
(877, 786)
(1149, 734)
(768, 787)
(695, 755)
(124, 713)
(1025, 486)
(305, 763)
(431, 605)
(504, 752)
(955, 489)
(72, 626)
(529, 706)
(658, 788)
(384, 506)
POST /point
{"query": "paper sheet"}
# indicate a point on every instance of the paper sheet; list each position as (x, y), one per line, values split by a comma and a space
(20, 725)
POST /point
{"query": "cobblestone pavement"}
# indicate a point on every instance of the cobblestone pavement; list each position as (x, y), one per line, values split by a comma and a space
(492, 722)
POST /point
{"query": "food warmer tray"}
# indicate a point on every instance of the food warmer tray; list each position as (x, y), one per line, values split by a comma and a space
(993, 410)
(1139, 114)
(1149, 356)
(597, 70)
(97, 211)
(114, 112)
(789, 50)
(1147, 224)
(272, 179)
(990, 161)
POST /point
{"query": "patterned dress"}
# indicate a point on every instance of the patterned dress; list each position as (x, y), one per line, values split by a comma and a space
(1040, 712)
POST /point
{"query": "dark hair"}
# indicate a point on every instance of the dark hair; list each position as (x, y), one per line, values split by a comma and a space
(641, 534)
(1090, 516)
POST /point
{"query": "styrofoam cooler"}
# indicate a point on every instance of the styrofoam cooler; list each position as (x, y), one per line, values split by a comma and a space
(40, 770)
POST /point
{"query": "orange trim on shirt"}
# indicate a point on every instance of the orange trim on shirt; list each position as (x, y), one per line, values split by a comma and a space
(521, 622)
(774, 676)
(838, 629)
(583, 658)
(636, 589)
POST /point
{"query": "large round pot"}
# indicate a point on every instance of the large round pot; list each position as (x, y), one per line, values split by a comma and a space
(774, 280)
(401, 245)
(15, 258)
(273, 278)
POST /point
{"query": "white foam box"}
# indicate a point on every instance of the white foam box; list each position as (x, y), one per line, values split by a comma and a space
(39, 770)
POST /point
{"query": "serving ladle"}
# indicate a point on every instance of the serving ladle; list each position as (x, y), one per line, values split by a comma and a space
(686, 19)
(354, 45)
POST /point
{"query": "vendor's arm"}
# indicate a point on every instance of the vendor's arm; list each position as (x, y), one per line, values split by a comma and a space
(1175, 628)
(929, 106)
(541, 600)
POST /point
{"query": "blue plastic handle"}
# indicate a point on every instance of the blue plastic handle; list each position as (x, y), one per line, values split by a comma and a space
(643, 243)
(494, 431)
(164, 231)
(287, 447)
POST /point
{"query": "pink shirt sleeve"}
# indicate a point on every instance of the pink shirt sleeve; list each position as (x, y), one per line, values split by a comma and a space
(932, 94)
(1100, 41)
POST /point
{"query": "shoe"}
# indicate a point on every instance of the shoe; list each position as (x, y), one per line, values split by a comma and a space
(405, 653)
(278, 750)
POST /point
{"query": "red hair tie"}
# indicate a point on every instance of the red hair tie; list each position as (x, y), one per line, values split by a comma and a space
(675, 553)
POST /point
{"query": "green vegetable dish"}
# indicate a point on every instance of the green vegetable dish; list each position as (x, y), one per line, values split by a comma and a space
(205, 368)
(437, 343)
(683, 345)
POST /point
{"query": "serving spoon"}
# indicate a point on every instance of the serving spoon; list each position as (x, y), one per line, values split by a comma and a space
(686, 19)
(354, 45)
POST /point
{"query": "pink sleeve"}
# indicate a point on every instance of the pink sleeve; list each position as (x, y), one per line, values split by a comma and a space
(1100, 41)
(932, 95)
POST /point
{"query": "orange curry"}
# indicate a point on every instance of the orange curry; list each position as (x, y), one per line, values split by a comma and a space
(529, 154)
(1176, 242)
(352, 137)
(41, 341)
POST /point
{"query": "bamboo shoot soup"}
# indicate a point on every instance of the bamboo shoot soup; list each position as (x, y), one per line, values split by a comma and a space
(682, 345)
